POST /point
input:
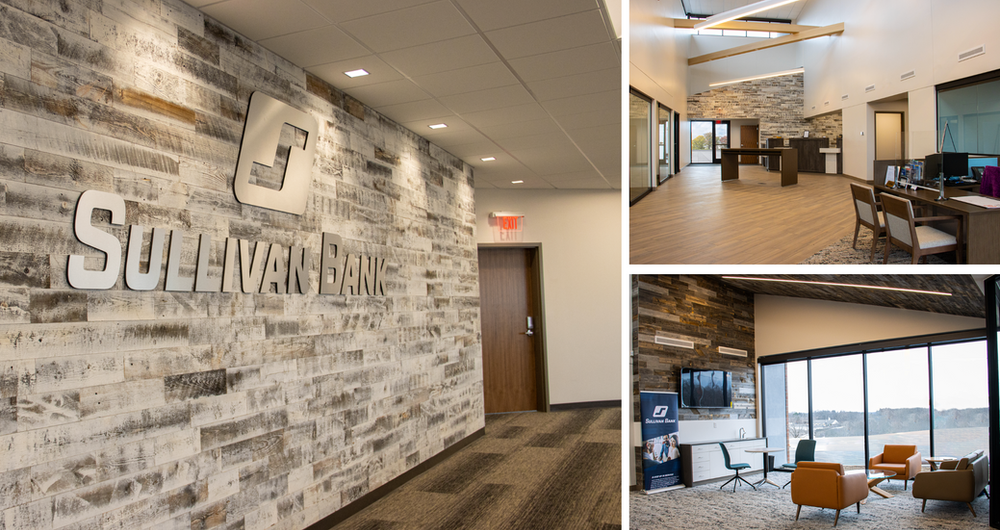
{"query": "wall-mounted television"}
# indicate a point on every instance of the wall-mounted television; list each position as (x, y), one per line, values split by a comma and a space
(706, 389)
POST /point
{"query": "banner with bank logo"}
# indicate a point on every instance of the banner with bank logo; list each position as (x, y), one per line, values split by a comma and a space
(661, 445)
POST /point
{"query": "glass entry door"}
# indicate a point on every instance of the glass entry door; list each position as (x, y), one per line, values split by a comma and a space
(663, 132)
(708, 139)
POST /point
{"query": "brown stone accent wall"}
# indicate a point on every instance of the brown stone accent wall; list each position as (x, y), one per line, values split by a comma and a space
(130, 409)
(708, 313)
(778, 103)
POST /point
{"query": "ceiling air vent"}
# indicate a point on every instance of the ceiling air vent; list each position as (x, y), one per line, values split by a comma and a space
(975, 52)
(908, 75)
(677, 343)
(869, 88)
(844, 97)
(732, 351)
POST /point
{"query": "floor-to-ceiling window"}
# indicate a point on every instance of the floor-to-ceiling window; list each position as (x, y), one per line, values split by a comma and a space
(640, 145)
(708, 139)
(931, 393)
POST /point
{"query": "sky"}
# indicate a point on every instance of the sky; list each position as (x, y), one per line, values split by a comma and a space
(959, 373)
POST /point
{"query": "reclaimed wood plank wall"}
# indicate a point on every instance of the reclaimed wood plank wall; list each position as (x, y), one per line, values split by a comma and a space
(130, 409)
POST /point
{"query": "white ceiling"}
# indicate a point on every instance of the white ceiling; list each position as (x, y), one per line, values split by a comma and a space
(714, 7)
(534, 83)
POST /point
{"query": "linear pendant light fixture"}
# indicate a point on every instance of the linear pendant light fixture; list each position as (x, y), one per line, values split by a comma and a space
(762, 76)
(833, 284)
(741, 12)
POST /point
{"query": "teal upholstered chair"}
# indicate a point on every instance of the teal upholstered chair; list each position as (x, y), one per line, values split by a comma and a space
(734, 467)
(805, 451)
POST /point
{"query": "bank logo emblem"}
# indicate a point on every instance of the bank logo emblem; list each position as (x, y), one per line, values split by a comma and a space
(265, 118)
(660, 411)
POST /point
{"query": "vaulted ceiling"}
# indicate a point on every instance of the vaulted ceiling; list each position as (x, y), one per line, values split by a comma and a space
(714, 7)
(966, 298)
(534, 83)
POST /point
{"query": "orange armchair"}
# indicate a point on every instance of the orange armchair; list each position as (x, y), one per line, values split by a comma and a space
(824, 485)
(903, 460)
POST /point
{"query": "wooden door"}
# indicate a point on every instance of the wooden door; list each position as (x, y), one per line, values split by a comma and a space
(749, 138)
(508, 296)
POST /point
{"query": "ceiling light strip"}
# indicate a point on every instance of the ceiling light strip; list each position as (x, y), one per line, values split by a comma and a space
(762, 76)
(741, 12)
(807, 282)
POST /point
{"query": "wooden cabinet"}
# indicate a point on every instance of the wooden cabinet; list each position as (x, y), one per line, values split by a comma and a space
(810, 159)
(703, 462)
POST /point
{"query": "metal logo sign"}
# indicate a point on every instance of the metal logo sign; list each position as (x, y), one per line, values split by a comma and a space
(265, 118)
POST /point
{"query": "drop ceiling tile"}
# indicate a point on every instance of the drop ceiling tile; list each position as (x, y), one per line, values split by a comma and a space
(343, 10)
(610, 116)
(413, 26)
(426, 109)
(584, 103)
(451, 54)
(576, 175)
(592, 183)
(530, 182)
(528, 141)
(470, 79)
(550, 35)
(378, 72)
(507, 96)
(508, 130)
(575, 85)
(317, 46)
(519, 113)
(262, 19)
(564, 63)
(491, 14)
(384, 94)
(458, 132)
(476, 150)
(556, 164)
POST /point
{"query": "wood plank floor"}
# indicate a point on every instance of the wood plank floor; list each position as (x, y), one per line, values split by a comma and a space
(556, 470)
(695, 218)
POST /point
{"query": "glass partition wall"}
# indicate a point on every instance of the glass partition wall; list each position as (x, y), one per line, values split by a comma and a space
(640, 146)
(932, 395)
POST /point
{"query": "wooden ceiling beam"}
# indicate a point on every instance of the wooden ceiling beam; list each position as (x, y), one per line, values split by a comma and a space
(742, 25)
(769, 43)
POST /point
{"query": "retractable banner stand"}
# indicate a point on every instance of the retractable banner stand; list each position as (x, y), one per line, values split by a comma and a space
(661, 450)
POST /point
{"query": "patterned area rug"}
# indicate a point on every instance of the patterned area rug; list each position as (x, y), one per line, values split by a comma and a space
(771, 508)
(841, 252)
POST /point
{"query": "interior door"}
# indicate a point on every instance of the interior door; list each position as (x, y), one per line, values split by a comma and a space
(508, 293)
(749, 139)
(889, 136)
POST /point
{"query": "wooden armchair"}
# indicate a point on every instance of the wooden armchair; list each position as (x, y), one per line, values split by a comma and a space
(867, 211)
(825, 485)
(919, 241)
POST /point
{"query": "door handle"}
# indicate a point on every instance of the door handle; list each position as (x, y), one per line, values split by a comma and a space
(531, 327)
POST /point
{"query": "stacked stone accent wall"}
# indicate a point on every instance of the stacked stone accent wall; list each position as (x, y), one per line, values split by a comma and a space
(710, 314)
(778, 103)
(181, 409)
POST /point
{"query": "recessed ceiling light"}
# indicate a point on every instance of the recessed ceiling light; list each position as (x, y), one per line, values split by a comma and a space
(517, 182)
(438, 126)
(488, 159)
(859, 286)
(356, 73)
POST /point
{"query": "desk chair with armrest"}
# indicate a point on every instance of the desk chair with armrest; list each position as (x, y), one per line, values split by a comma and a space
(867, 212)
(919, 241)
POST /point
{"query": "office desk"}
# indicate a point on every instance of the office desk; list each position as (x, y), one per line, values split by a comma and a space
(789, 162)
(981, 226)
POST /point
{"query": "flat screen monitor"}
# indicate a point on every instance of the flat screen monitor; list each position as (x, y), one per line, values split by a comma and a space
(951, 164)
(706, 389)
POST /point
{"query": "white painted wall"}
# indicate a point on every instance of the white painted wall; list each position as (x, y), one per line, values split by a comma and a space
(658, 59)
(784, 324)
(580, 236)
(882, 40)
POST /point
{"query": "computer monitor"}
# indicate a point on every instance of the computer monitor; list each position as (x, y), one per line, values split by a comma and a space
(951, 164)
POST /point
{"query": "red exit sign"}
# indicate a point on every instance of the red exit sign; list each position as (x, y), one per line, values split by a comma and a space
(509, 223)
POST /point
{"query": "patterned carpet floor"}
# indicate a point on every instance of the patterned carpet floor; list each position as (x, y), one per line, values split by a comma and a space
(771, 508)
(841, 252)
(556, 470)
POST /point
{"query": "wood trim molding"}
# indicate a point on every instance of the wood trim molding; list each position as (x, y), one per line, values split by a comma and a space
(769, 43)
(743, 25)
